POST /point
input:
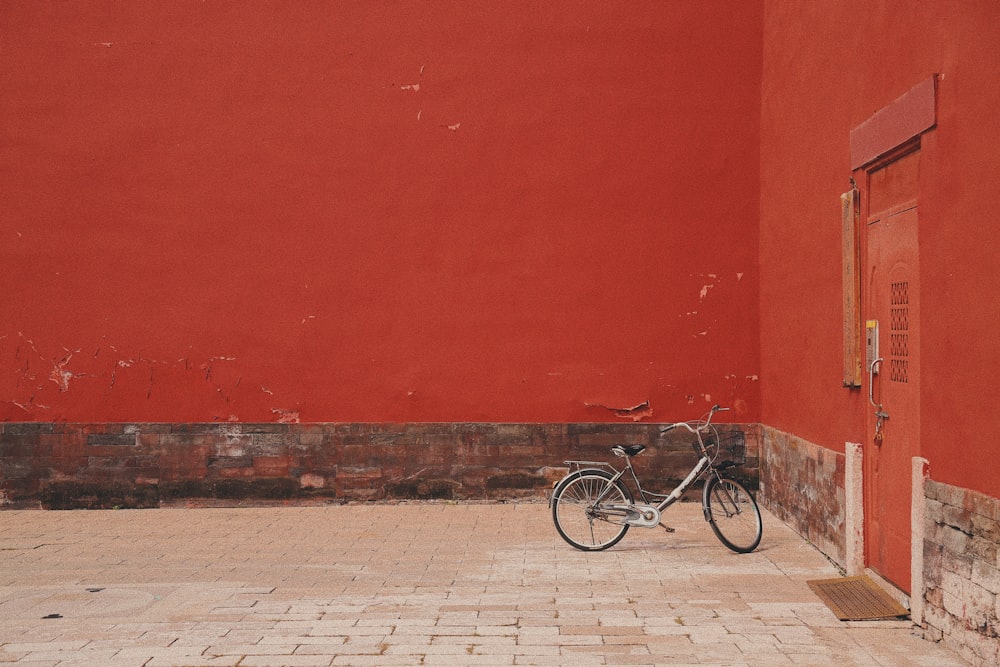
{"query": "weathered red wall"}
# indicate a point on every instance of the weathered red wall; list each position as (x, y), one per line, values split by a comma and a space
(378, 212)
(827, 68)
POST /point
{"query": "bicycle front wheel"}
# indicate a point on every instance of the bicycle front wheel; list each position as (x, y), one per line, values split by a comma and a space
(588, 509)
(733, 514)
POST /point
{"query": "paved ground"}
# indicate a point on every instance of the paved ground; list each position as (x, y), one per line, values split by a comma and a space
(430, 584)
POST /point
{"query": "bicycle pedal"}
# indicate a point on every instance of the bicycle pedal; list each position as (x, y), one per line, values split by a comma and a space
(668, 528)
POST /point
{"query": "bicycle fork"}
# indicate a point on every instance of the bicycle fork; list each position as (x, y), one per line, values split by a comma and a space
(725, 498)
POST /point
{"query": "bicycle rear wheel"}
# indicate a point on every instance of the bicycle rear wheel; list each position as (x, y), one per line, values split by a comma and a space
(733, 514)
(582, 520)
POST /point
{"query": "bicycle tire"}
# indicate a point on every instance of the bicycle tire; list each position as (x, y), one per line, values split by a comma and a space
(733, 514)
(582, 524)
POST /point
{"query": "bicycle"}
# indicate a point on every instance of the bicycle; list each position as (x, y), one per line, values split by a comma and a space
(593, 508)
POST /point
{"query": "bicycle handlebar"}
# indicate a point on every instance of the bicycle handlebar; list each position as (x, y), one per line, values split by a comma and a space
(697, 424)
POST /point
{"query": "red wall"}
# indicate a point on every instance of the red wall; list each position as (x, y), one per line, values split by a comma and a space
(366, 212)
(827, 68)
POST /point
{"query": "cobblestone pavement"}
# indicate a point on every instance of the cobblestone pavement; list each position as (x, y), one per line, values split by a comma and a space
(415, 584)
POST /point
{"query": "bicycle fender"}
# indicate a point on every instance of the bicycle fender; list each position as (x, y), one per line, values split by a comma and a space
(704, 498)
(573, 475)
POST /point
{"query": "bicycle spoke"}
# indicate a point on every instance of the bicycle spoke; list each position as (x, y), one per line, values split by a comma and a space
(581, 521)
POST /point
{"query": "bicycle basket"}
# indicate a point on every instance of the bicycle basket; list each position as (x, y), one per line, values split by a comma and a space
(733, 447)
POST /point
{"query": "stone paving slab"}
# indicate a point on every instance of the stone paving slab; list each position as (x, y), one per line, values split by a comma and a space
(415, 584)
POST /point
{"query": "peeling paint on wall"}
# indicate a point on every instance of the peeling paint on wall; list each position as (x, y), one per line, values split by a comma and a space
(286, 416)
(415, 88)
(635, 413)
(60, 375)
(109, 375)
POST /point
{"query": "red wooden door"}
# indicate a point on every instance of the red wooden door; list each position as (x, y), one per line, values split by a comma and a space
(893, 300)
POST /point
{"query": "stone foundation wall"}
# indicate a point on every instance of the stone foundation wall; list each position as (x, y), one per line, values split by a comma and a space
(803, 485)
(962, 571)
(56, 465)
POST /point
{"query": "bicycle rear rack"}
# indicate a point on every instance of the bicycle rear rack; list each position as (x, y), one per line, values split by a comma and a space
(576, 466)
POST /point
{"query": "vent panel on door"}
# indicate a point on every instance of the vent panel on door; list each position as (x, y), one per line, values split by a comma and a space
(899, 338)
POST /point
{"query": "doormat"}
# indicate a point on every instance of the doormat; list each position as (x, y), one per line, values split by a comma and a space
(857, 599)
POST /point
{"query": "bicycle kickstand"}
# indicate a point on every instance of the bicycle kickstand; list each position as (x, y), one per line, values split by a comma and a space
(667, 528)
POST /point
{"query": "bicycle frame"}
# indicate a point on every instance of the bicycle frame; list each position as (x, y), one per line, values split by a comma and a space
(645, 514)
(703, 466)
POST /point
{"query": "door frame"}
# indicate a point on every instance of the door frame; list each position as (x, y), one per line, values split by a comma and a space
(900, 206)
(886, 135)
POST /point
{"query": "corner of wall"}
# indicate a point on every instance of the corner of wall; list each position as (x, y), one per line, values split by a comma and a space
(803, 484)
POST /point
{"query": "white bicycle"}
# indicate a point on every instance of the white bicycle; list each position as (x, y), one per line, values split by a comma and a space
(593, 507)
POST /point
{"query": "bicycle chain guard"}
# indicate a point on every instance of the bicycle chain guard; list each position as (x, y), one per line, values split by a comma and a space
(644, 516)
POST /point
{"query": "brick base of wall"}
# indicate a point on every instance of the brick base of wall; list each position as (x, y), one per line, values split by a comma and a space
(961, 575)
(803, 485)
(61, 466)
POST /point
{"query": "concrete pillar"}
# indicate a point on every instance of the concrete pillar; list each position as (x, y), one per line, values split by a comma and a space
(854, 512)
(918, 512)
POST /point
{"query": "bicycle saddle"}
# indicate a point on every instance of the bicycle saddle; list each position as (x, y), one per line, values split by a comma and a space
(628, 450)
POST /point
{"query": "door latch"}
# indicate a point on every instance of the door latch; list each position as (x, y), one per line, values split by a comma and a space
(881, 416)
